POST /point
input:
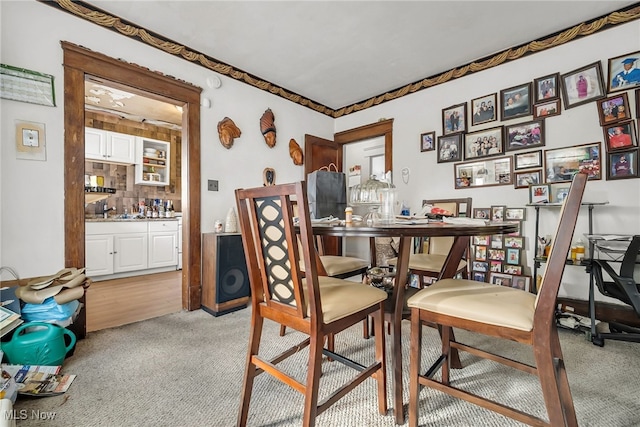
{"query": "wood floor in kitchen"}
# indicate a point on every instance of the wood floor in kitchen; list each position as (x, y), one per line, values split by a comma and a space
(118, 302)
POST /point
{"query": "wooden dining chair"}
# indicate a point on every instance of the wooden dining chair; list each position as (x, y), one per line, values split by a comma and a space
(500, 312)
(318, 306)
(429, 263)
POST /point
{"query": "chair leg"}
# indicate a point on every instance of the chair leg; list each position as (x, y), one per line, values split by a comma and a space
(381, 376)
(414, 368)
(365, 329)
(554, 383)
(283, 330)
(250, 372)
(446, 333)
(313, 381)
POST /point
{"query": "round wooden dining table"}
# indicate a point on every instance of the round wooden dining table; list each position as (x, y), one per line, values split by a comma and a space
(460, 228)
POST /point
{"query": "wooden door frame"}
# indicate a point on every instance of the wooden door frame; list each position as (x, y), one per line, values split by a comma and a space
(372, 130)
(78, 63)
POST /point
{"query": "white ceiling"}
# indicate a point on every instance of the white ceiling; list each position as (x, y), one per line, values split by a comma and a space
(338, 53)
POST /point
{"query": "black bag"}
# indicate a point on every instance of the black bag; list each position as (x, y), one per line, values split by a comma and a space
(327, 192)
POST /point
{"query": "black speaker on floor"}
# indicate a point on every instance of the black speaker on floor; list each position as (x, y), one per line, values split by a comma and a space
(225, 282)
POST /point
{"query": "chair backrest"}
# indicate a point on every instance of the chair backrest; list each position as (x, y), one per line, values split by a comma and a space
(561, 243)
(631, 256)
(272, 251)
(459, 207)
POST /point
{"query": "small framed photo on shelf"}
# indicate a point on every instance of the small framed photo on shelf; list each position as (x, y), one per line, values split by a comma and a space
(516, 242)
(516, 102)
(480, 266)
(559, 193)
(479, 276)
(480, 240)
(481, 253)
(512, 214)
(561, 164)
(497, 213)
(483, 109)
(496, 254)
(620, 136)
(495, 266)
(501, 279)
(539, 193)
(483, 143)
(428, 141)
(582, 85)
(622, 164)
(546, 88)
(513, 256)
(613, 109)
(496, 241)
(547, 109)
(529, 160)
(524, 135)
(454, 119)
(623, 72)
(521, 282)
(482, 213)
(449, 148)
(513, 269)
(524, 179)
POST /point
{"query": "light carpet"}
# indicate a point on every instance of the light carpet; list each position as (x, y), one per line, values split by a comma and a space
(186, 369)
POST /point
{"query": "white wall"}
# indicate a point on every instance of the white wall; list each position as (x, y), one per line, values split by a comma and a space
(422, 112)
(32, 192)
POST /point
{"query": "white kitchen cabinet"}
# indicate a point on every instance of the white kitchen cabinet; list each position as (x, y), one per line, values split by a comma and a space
(152, 162)
(99, 254)
(163, 243)
(109, 147)
(130, 252)
(115, 247)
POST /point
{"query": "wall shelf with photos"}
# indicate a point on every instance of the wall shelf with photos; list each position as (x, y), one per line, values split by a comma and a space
(499, 259)
(539, 257)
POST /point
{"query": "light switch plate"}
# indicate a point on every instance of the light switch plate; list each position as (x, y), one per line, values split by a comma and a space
(212, 185)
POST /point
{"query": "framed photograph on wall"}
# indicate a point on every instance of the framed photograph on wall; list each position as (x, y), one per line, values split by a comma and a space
(516, 242)
(501, 279)
(546, 88)
(497, 212)
(622, 164)
(454, 119)
(449, 148)
(623, 72)
(529, 160)
(513, 256)
(521, 282)
(524, 179)
(582, 85)
(511, 214)
(620, 136)
(484, 109)
(547, 109)
(496, 242)
(515, 102)
(495, 266)
(524, 135)
(559, 193)
(428, 141)
(513, 269)
(495, 171)
(613, 109)
(561, 164)
(540, 193)
(483, 143)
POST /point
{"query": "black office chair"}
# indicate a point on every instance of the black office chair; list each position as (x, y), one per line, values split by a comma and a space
(623, 287)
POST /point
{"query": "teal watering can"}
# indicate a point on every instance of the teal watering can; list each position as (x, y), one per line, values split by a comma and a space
(38, 343)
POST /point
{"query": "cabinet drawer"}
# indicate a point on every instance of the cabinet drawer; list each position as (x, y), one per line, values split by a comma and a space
(163, 226)
(116, 227)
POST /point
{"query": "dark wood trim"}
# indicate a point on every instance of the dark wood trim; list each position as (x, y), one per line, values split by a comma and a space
(381, 128)
(605, 311)
(79, 63)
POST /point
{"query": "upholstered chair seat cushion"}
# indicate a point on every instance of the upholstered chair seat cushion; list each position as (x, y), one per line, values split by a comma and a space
(336, 265)
(340, 298)
(478, 302)
(428, 262)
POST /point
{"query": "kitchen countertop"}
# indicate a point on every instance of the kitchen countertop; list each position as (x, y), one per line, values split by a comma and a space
(116, 219)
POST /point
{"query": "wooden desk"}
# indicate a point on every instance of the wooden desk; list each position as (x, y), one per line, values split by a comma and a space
(405, 232)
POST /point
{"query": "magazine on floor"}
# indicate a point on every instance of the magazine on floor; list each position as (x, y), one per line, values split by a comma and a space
(38, 380)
